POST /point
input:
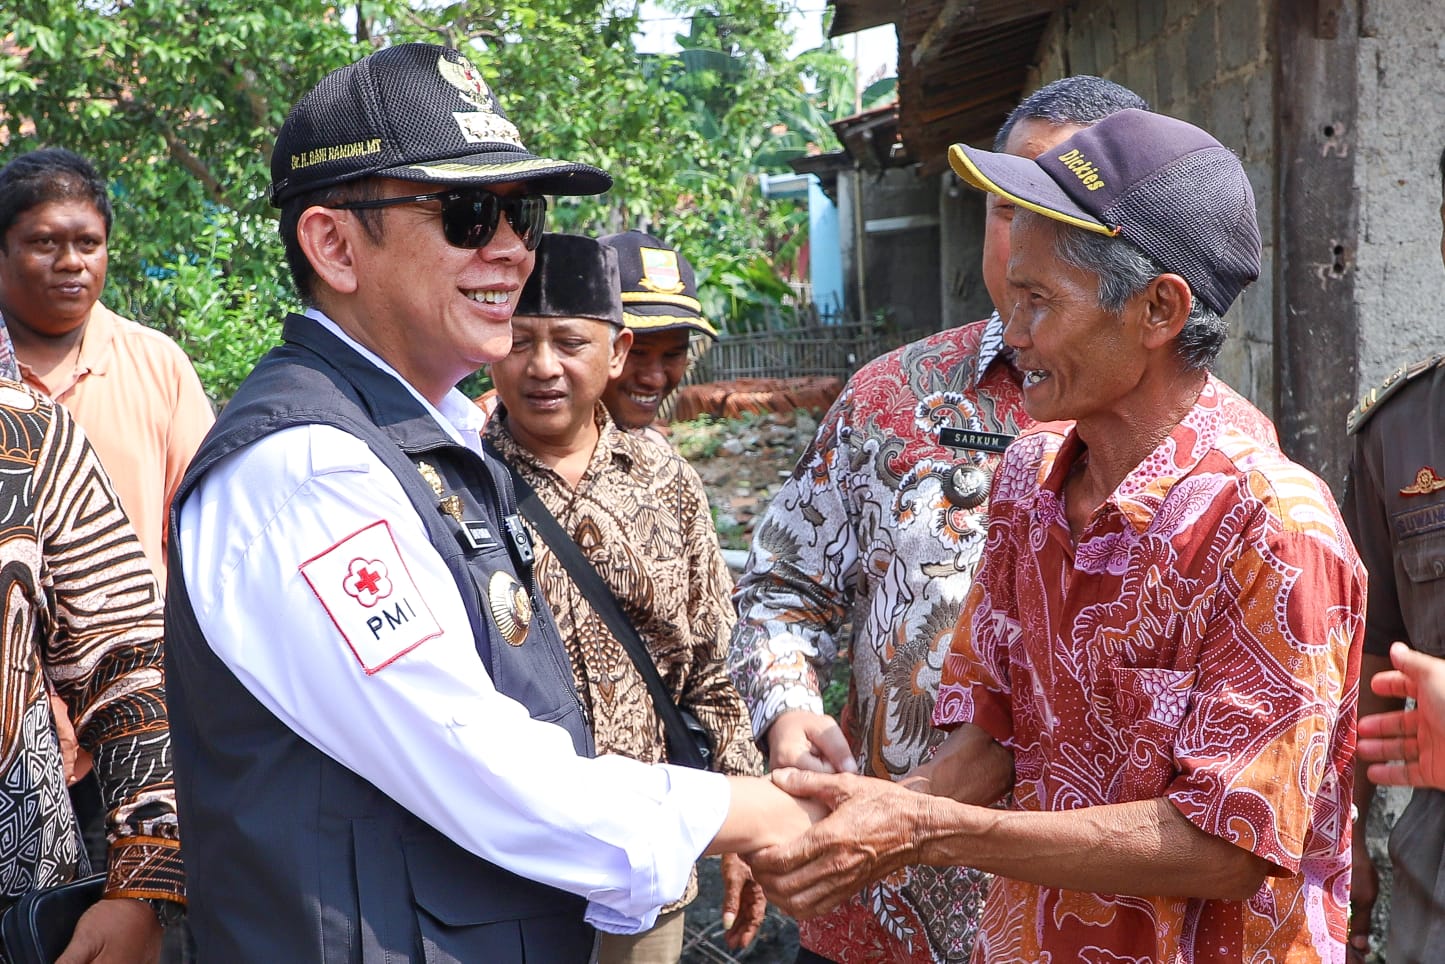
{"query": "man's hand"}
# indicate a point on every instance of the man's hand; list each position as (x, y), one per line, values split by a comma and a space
(77, 762)
(115, 931)
(744, 904)
(868, 835)
(1407, 747)
(809, 741)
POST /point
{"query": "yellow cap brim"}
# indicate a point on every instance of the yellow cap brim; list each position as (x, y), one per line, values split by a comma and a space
(1047, 198)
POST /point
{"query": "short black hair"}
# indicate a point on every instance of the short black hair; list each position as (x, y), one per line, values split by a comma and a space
(1081, 99)
(303, 275)
(49, 174)
(1442, 175)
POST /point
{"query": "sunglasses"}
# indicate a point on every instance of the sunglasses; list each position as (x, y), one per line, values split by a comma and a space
(470, 217)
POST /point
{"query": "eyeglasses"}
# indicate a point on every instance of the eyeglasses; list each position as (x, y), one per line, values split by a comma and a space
(470, 217)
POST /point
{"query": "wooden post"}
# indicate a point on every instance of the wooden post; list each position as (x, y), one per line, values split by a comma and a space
(1316, 318)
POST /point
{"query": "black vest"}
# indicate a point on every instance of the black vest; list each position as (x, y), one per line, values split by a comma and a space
(289, 855)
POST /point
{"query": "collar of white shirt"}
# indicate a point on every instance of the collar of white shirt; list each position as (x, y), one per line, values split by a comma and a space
(458, 416)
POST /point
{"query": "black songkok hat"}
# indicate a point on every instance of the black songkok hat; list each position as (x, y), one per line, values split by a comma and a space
(575, 277)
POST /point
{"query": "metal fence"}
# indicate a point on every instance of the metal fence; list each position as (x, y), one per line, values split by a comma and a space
(801, 342)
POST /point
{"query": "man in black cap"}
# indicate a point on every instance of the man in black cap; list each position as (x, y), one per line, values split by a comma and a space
(639, 514)
(661, 308)
(379, 748)
(1159, 658)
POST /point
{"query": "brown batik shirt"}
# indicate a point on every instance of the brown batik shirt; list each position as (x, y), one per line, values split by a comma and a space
(82, 613)
(640, 516)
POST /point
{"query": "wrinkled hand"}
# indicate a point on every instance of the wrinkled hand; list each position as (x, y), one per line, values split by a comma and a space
(744, 905)
(869, 834)
(115, 931)
(1407, 747)
(1364, 887)
(809, 741)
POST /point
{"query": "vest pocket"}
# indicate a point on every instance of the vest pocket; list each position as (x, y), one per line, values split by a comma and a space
(471, 910)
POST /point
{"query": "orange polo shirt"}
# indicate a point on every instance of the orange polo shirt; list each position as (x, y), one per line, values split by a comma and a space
(141, 404)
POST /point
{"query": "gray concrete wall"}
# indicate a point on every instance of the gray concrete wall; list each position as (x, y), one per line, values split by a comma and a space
(963, 296)
(1208, 62)
(902, 263)
(1401, 284)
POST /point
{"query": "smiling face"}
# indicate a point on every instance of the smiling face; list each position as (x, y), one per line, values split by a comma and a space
(52, 267)
(552, 378)
(654, 367)
(1079, 360)
(435, 312)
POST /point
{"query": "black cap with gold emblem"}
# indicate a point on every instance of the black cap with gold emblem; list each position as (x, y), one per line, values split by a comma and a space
(417, 112)
(659, 289)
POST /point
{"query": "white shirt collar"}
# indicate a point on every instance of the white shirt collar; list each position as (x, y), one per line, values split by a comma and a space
(458, 416)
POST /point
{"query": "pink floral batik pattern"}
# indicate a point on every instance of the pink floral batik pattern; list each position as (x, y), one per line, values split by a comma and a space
(1200, 643)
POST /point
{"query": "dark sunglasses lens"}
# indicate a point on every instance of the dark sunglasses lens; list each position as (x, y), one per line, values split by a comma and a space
(529, 219)
(469, 220)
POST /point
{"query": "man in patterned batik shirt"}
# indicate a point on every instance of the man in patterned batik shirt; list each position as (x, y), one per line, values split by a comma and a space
(866, 529)
(640, 516)
(82, 612)
(1159, 659)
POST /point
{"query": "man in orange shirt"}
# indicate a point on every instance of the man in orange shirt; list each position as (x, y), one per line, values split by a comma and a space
(1158, 661)
(130, 387)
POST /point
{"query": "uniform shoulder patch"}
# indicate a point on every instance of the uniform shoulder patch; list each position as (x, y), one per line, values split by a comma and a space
(1398, 379)
(366, 589)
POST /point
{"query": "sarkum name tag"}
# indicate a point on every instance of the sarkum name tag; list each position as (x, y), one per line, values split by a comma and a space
(962, 438)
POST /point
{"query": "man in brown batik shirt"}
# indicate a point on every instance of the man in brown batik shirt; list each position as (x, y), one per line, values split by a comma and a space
(640, 516)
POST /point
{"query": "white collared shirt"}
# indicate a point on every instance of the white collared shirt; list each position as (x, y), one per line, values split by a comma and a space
(425, 725)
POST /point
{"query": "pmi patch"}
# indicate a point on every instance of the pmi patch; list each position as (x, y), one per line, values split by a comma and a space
(370, 596)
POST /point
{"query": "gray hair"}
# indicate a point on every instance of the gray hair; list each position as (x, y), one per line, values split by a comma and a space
(1124, 270)
(1082, 99)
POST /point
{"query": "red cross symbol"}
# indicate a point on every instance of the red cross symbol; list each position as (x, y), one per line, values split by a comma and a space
(366, 581)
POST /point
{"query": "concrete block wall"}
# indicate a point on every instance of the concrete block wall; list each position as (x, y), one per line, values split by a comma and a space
(1400, 284)
(1208, 62)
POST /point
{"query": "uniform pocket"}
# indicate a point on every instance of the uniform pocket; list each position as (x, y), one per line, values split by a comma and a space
(1423, 557)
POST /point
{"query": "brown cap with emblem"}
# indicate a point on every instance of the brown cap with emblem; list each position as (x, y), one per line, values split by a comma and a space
(417, 112)
(658, 287)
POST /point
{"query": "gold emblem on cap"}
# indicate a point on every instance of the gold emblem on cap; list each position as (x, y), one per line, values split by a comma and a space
(1427, 481)
(511, 609)
(484, 124)
(660, 271)
(467, 79)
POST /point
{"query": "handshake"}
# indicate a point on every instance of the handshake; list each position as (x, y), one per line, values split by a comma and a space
(813, 835)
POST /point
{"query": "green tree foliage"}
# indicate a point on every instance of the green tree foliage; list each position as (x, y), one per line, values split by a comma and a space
(178, 104)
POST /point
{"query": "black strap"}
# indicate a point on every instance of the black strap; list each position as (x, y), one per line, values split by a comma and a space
(600, 595)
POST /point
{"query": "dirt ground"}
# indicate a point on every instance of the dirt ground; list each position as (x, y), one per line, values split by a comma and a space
(743, 462)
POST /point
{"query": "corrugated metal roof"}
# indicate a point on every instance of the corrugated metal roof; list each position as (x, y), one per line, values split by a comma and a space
(962, 64)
